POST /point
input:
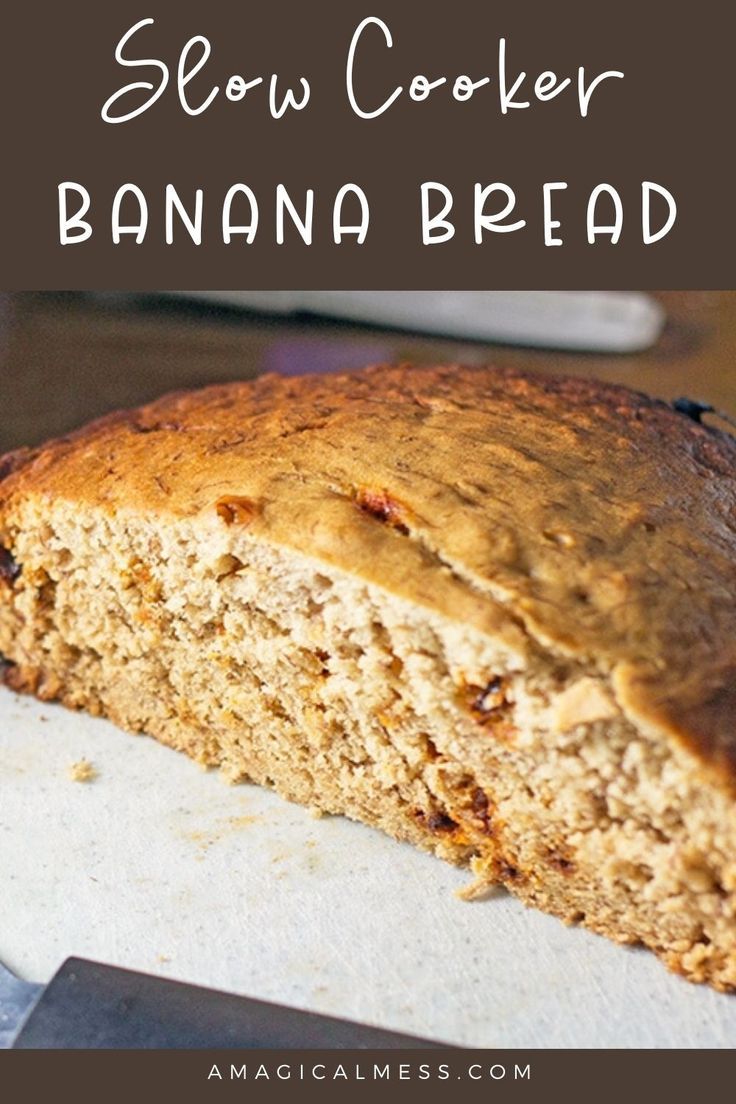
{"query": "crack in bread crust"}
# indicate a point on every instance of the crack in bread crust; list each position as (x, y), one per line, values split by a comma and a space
(586, 509)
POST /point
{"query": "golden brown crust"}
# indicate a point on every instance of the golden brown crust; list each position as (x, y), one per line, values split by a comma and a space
(600, 521)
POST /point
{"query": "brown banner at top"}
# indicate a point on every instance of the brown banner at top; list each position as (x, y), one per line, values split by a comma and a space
(368, 145)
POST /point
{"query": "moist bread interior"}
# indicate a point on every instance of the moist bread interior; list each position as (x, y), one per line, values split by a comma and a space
(343, 697)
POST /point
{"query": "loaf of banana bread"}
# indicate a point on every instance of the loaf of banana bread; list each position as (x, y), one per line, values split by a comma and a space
(489, 613)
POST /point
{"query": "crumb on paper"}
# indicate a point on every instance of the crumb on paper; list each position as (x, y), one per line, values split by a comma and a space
(480, 889)
(243, 821)
(82, 771)
(163, 959)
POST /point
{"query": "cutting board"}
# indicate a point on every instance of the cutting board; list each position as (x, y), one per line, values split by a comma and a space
(160, 866)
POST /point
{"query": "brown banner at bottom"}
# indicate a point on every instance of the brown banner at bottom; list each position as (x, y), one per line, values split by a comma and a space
(340, 1075)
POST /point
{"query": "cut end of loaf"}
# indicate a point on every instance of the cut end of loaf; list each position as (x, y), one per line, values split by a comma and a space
(471, 740)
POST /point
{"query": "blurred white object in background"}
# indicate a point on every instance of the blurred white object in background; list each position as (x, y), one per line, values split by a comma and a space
(597, 321)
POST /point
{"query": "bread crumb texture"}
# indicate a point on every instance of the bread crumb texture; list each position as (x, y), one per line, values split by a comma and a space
(491, 614)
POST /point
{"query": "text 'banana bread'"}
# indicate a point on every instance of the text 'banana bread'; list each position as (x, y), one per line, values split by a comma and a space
(489, 613)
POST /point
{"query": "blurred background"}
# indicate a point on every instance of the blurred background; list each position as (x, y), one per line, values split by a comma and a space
(68, 357)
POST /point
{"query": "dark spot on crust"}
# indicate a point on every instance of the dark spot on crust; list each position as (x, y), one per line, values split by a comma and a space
(6, 665)
(559, 862)
(507, 872)
(487, 701)
(430, 749)
(21, 681)
(694, 410)
(12, 461)
(491, 697)
(481, 810)
(440, 822)
(691, 408)
(9, 568)
(380, 505)
(236, 509)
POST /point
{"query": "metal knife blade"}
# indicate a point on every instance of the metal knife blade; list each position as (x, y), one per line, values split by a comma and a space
(91, 1005)
(17, 999)
(597, 321)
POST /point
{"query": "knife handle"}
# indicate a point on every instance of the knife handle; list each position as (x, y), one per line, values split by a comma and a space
(89, 1005)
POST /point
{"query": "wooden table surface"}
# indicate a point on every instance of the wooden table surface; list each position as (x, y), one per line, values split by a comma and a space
(65, 358)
